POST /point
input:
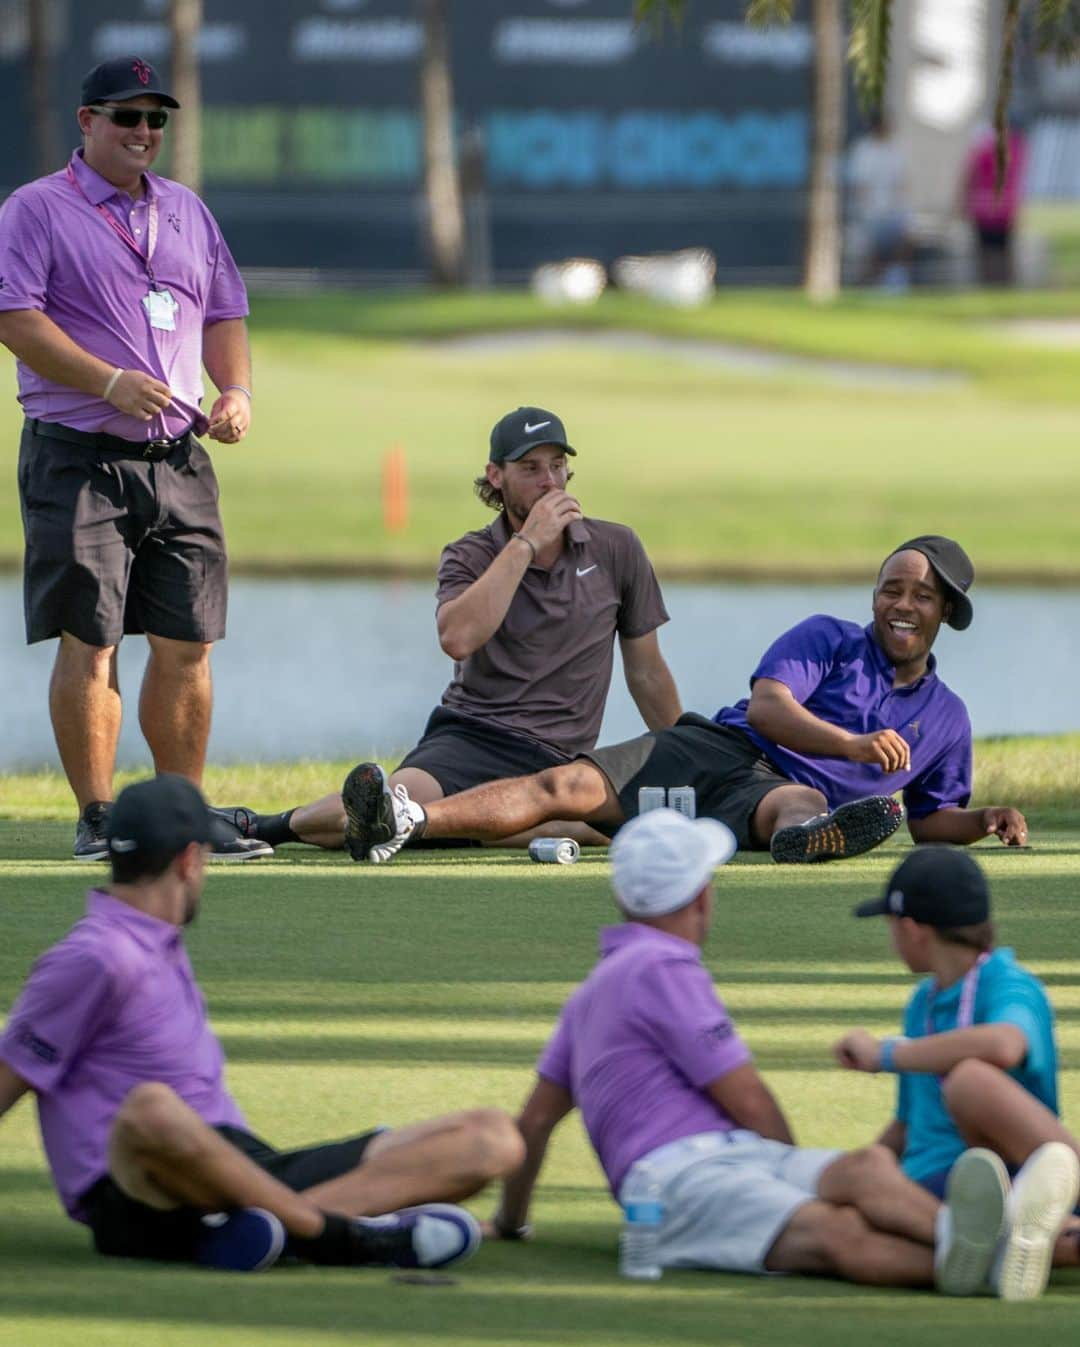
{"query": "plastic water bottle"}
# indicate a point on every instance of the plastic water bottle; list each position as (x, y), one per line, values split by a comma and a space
(639, 1240)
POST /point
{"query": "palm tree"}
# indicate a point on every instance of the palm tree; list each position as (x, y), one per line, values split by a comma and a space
(824, 239)
(445, 219)
(48, 153)
(185, 20)
(1057, 30)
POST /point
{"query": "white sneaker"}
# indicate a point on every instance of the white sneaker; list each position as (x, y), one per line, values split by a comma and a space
(434, 1234)
(407, 814)
(1043, 1194)
(378, 820)
(971, 1223)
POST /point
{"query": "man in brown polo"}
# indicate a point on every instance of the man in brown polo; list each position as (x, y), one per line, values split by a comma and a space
(528, 609)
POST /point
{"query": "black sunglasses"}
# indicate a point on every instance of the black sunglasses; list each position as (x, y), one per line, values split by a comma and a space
(129, 118)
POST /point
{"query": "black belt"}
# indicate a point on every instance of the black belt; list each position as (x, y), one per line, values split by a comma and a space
(153, 450)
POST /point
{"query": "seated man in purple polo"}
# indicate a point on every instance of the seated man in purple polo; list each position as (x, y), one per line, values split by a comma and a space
(839, 718)
(146, 1145)
(677, 1112)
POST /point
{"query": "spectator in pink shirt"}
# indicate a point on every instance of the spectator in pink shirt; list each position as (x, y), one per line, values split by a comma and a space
(993, 209)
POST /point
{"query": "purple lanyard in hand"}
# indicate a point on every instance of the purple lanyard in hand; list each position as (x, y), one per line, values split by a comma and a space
(123, 233)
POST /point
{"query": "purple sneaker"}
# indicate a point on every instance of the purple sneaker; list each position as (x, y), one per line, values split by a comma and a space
(433, 1235)
(247, 1239)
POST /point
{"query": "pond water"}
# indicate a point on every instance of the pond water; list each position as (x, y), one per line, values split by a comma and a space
(351, 668)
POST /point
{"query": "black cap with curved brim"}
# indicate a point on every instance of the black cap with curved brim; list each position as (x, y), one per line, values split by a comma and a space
(936, 885)
(161, 817)
(123, 77)
(953, 568)
(524, 429)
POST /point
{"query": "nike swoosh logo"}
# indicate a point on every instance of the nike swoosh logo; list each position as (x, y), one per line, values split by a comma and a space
(586, 570)
(539, 426)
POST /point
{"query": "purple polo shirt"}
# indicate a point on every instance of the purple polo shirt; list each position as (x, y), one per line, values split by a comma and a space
(112, 1005)
(60, 256)
(838, 672)
(638, 1043)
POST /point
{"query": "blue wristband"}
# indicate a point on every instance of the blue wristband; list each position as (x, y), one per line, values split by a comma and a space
(888, 1051)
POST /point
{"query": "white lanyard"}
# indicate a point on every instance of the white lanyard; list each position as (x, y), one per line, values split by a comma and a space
(965, 1014)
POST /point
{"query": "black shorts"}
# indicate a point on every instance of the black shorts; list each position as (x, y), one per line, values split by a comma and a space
(125, 1228)
(119, 545)
(728, 771)
(463, 751)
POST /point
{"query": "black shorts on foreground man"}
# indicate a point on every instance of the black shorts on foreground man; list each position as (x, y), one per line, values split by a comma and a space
(125, 1228)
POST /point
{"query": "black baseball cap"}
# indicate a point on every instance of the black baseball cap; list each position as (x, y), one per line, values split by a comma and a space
(524, 429)
(123, 77)
(936, 885)
(953, 568)
(160, 816)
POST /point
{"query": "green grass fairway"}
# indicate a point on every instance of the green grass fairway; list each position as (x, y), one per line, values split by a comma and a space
(786, 474)
(350, 995)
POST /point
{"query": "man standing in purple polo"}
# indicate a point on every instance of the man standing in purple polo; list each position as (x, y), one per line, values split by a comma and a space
(144, 1140)
(839, 718)
(679, 1116)
(116, 287)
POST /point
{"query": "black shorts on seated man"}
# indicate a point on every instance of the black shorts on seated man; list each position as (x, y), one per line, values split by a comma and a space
(840, 717)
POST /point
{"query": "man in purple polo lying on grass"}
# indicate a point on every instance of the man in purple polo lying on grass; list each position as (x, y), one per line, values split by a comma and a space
(839, 718)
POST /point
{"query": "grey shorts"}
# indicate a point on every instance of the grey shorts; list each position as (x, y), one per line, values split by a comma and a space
(728, 771)
(119, 545)
(727, 1196)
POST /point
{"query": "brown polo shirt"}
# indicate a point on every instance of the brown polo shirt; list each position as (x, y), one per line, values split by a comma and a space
(545, 673)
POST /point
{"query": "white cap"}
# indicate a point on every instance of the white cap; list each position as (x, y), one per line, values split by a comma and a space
(661, 860)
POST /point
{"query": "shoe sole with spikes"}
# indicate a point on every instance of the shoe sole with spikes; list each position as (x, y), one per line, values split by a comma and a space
(848, 831)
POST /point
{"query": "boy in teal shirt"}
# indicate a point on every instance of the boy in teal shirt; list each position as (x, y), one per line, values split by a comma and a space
(977, 1061)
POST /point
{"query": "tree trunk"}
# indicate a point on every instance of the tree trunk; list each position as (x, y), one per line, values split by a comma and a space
(185, 20)
(442, 187)
(48, 154)
(823, 235)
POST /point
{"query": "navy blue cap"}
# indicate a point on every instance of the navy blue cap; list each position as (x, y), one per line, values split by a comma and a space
(123, 77)
(936, 885)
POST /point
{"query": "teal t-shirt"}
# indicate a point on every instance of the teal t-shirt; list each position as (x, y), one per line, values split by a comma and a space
(1005, 993)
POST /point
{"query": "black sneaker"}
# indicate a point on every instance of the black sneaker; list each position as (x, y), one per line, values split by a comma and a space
(433, 1235)
(229, 843)
(241, 818)
(90, 842)
(849, 830)
(369, 815)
